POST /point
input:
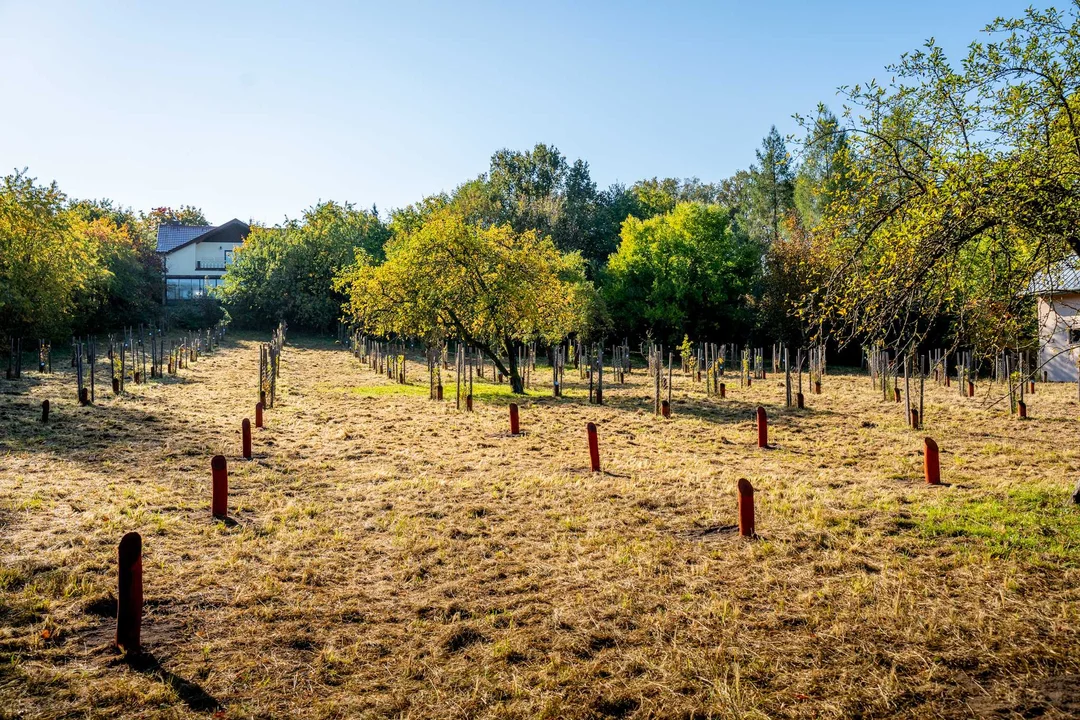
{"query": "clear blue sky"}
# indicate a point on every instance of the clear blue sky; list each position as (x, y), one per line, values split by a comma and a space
(260, 109)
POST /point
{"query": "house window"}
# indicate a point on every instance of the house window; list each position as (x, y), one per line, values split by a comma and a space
(228, 257)
(186, 288)
(1074, 336)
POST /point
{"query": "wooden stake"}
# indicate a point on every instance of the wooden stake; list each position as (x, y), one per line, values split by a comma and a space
(129, 595)
(746, 508)
(594, 447)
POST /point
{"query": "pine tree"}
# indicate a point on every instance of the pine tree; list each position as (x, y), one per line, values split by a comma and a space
(772, 188)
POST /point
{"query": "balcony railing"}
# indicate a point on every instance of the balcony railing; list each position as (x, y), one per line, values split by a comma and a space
(209, 265)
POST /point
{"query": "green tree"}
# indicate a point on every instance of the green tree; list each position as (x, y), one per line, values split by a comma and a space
(130, 292)
(528, 187)
(613, 206)
(575, 227)
(184, 215)
(287, 272)
(491, 286)
(657, 197)
(43, 264)
(771, 189)
(965, 181)
(824, 175)
(686, 272)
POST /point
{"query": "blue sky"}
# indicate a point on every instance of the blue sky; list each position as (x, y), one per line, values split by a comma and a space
(257, 110)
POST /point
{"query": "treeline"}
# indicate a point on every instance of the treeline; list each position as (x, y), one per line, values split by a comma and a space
(921, 213)
(661, 257)
(84, 266)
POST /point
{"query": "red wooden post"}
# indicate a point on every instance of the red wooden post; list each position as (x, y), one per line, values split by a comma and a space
(1031, 387)
(258, 415)
(931, 462)
(665, 408)
(129, 595)
(723, 390)
(971, 389)
(44, 411)
(515, 427)
(116, 386)
(746, 508)
(1022, 407)
(468, 402)
(817, 387)
(262, 397)
(749, 382)
(915, 418)
(220, 470)
(246, 427)
(800, 401)
(594, 447)
(438, 391)
(896, 394)
(762, 428)
(84, 398)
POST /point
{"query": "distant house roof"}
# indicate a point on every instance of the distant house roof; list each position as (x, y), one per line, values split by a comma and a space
(1062, 277)
(169, 237)
(172, 237)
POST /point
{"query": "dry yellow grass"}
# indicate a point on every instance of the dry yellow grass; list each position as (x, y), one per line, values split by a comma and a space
(391, 557)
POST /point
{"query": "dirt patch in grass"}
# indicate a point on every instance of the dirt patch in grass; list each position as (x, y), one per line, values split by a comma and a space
(390, 556)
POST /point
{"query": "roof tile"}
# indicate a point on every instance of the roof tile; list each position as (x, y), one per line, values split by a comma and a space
(171, 236)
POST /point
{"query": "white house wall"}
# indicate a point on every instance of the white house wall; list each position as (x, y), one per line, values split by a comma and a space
(184, 261)
(181, 261)
(212, 252)
(1057, 356)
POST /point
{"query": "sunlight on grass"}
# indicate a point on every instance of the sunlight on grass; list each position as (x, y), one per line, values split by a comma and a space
(1028, 522)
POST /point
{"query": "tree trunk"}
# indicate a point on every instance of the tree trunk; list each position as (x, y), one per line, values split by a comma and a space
(516, 385)
(509, 370)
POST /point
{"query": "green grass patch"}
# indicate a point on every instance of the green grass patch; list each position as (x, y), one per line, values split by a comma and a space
(482, 392)
(1028, 522)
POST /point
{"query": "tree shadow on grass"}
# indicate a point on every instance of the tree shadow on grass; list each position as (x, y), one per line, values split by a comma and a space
(73, 429)
(22, 385)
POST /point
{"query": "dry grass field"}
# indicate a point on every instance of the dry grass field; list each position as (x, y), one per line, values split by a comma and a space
(388, 556)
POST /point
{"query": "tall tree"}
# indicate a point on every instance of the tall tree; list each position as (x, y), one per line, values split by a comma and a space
(575, 226)
(528, 187)
(824, 175)
(772, 188)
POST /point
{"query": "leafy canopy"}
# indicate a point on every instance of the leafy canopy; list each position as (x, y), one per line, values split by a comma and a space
(287, 272)
(685, 272)
(964, 181)
(490, 285)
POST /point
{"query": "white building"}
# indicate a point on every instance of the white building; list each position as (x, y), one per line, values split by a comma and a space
(195, 257)
(1058, 296)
